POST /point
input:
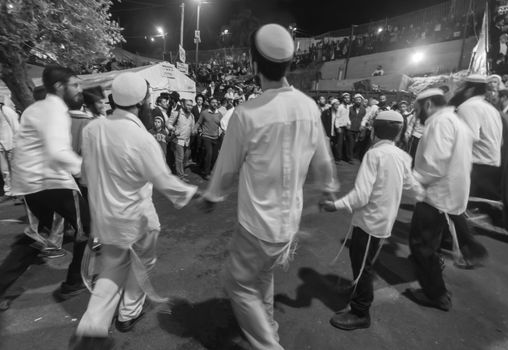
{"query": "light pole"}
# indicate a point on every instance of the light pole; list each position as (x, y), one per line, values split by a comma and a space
(182, 6)
(197, 36)
(161, 32)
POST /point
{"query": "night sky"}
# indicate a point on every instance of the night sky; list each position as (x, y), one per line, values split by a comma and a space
(139, 18)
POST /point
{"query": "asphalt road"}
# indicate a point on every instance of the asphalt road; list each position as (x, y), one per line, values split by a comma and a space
(192, 248)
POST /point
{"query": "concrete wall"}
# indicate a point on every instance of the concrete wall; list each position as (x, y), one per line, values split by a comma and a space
(441, 57)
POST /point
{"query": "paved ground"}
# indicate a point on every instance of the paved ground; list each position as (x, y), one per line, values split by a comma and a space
(192, 249)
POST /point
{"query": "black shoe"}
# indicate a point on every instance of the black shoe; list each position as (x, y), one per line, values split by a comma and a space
(127, 326)
(68, 291)
(90, 343)
(349, 321)
(418, 296)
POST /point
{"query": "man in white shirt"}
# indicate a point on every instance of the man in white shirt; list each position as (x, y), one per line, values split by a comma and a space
(442, 166)
(121, 164)
(9, 126)
(182, 125)
(45, 165)
(374, 202)
(485, 123)
(271, 141)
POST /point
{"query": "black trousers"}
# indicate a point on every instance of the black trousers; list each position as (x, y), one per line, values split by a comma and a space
(363, 296)
(211, 151)
(486, 182)
(43, 204)
(427, 227)
(351, 140)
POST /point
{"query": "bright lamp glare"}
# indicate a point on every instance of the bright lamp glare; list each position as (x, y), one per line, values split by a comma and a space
(417, 57)
(160, 30)
(379, 30)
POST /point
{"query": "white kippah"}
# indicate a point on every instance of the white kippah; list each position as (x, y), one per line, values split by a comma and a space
(390, 116)
(334, 101)
(476, 78)
(274, 43)
(358, 96)
(128, 89)
(429, 93)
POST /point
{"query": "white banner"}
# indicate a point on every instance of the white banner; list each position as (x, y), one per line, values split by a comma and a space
(182, 67)
(181, 54)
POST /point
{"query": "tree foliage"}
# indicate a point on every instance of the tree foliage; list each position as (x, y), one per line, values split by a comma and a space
(242, 25)
(69, 32)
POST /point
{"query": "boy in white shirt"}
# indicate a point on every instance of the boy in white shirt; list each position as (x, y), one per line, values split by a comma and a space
(374, 201)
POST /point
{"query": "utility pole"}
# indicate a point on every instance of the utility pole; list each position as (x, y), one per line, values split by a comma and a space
(197, 34)
(182, 6)
(349, 50)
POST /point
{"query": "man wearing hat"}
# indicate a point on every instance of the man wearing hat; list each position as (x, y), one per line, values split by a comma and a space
(335, 135)
(45, 166)
(442, 166)
(122, 162)
(485, 122)
(374, 202)
(271, 141)
(356, 114)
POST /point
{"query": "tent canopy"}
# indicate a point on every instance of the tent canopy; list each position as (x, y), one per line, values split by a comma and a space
(162, 77)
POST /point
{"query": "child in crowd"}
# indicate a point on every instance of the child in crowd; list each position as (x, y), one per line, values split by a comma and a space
(160, 133)
(374, 201)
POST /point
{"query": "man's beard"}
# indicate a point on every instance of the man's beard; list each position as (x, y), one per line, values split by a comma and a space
(73, 102)
(422, 116)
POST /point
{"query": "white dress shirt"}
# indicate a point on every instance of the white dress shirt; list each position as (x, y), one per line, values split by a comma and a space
(485, 123)
(271, 141)
(43, 155)
(225, 119)
(374, 201)
(9, 126)
(443, 161)
(342, 119)
(121, 161)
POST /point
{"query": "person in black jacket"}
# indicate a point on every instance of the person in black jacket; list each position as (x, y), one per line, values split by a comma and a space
(356, 114)
(336, 138)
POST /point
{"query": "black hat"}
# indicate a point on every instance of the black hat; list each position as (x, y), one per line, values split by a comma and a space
(175, 96)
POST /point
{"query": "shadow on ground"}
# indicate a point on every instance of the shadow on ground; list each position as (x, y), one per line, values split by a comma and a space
(211, 323)
(316, 286)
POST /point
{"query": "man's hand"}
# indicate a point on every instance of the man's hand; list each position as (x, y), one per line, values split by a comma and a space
(327, 205)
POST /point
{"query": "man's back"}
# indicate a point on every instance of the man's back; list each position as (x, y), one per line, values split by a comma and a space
(485, 123)
(272, 139)
(443, 161)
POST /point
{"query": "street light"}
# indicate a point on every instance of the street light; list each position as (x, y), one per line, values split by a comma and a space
(379, 30)
(163, 35)
(417, 57)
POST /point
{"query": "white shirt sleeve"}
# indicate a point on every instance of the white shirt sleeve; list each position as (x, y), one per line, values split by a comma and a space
(150, 162)
(229, 162)
(364, 184)
(13, 118)
(56, 133)
(436, 153)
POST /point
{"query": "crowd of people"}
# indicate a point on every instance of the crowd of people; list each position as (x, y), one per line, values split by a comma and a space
(388, 37)
(96, 169)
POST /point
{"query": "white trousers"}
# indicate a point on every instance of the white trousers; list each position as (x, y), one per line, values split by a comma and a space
(117, 286)
(249, 284)
(5, 167)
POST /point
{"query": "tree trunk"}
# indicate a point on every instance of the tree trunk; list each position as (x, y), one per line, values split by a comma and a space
(14, 74)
